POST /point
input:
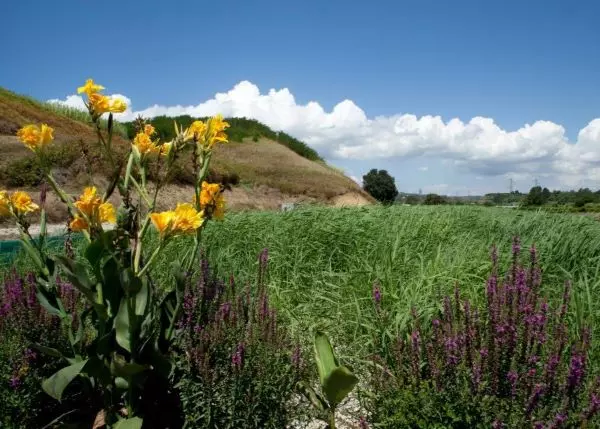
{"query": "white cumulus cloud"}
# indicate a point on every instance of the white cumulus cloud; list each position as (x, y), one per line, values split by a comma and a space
(476, 146)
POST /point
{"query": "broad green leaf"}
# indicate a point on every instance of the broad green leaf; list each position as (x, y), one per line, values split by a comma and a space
(93, 252)
(336, 381)
(47, 350)
(132, 423)
(78, 276)
(317, 400)
(111, 285)
(55, 385)
(339, 383)
(141, 299)
(120, 367)
(324, 356)
(48, 301)
(122, 326)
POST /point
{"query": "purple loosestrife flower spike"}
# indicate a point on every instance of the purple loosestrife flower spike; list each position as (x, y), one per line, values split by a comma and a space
(512, 379)
(576, 371)
(362, 423)
(377, 295)
(237, 359)
(534, 399)
(559, 420)
(416, 354)
(497, 424)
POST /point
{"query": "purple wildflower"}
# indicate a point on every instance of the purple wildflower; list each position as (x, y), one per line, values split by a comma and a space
(576, 371)
(512, 379)
(237, 358)
(362, 423)
(377, 295)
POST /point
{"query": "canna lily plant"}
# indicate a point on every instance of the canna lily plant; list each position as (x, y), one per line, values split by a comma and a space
(132, 324)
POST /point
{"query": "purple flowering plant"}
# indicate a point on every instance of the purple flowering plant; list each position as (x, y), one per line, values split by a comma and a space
(514, 362)
(239, 366)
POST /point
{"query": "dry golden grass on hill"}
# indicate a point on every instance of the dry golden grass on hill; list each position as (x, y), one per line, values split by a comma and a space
(270, 173)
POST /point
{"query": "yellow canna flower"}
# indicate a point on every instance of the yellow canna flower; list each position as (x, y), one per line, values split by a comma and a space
(78, 224)
(89, 88)
(216, 130)
(4, 204)
(212, 200)
(196, 131)
(35, 137)
(209, 193)
(217, 124)
(88, 201)
(117, 106)
(144, 144)
(149, 130)
(186, 219)
(22, 203)
(165, 148)
(99, 103)
(163, 222)
(106, 212)
(46, 134)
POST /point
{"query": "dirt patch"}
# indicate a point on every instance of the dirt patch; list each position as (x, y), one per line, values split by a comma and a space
(350, 199)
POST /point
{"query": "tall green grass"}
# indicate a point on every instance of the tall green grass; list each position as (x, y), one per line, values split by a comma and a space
(323, 261)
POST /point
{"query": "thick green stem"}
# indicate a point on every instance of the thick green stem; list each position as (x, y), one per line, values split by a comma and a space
(151, 260)
(142, 192)
(332, 418)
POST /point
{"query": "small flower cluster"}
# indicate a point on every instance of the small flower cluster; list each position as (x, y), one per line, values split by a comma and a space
(98, 103)
(92, 212)
(184, 220)
(212, 201)
(514, 354)
(206, 134)
(18, 204)
(36, 138)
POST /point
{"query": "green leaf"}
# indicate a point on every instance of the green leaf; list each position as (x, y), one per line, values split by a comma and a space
(111, 285)
(336, 381)
(132, 423)
(48, 301)
(93, 252)
(47, 350)
(122, 326)
(120, 367)
(324, 356)
(55, 385)
(339, 383)
(317, 400)
(141, 298)
(78, 276)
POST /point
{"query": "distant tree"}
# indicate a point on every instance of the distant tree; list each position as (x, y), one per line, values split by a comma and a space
(413, 200)
(584, 196)
(535, 196)
(434, 199)
(380, 185)
(546, 195)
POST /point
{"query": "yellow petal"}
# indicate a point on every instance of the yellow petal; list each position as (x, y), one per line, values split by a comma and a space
(162, 222)
(22, 203)
(78, 224)
(4, 204)
(107, 213)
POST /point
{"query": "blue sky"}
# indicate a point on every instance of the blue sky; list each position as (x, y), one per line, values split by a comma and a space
(399, 65)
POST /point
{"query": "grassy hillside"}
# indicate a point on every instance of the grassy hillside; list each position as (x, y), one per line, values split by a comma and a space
(257, 155)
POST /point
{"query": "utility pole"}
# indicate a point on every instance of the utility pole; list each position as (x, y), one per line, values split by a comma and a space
(536, 183)
(511, 185)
